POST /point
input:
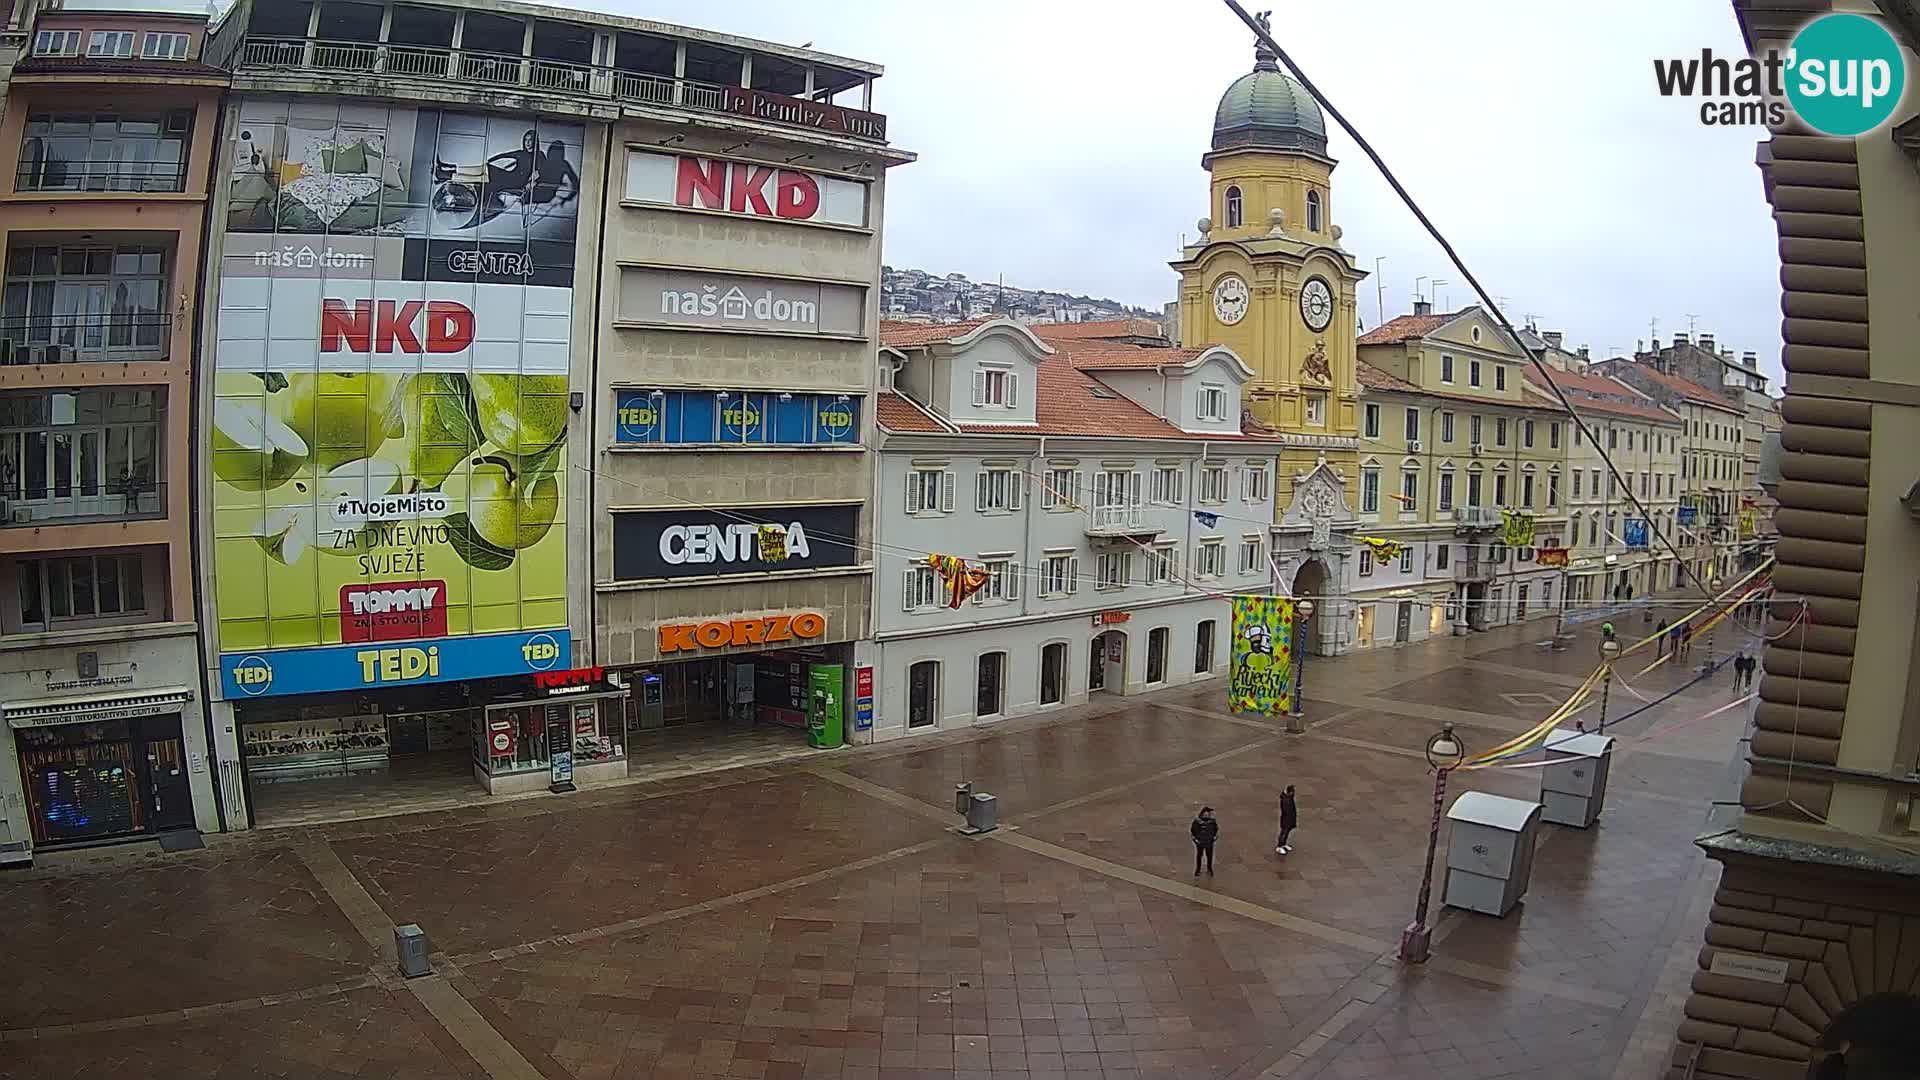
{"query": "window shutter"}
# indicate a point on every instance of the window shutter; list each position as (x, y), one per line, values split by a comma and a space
(979, 386)
(1133, 494)
(1016, 488)
(1013, 389)
(980, 489)
(1079, 489)
(946, 490)
(907, 590)
(1015, 571)
(913, 491)
(1073, 575)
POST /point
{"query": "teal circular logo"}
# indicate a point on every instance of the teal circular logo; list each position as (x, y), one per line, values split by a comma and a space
(1845, 74)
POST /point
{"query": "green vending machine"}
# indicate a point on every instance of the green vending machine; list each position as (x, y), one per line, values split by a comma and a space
(826, 705)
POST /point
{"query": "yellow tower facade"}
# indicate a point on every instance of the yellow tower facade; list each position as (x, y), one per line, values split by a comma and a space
(1268, 276)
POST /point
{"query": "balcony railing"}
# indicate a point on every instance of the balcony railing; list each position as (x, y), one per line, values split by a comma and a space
(102, 176)
(555, 76)
(1476, 517)
(84, 339)
(79, 502)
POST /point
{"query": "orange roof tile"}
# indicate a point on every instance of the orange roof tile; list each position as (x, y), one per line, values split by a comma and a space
(1375, 379)
(896, 412)
(1595, 393)
(1103, 328)
(909, 334)
(1104, 355)
(1404, 327)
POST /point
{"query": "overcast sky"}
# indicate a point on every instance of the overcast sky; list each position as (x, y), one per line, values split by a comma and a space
(1060, 145)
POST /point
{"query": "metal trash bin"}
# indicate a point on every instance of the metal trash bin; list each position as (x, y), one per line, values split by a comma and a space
(983, 813)
(1573, 786)
(1490, 853)
(410, 942)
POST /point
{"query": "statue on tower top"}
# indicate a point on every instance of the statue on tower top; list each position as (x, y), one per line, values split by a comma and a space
(1264, 58)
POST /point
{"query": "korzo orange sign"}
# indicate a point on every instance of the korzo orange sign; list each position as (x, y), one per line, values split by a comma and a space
(771, 630)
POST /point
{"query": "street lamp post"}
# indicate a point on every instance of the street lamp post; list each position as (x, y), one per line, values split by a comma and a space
(1609, 652)
(1444, 754)
(1302, 613)
(1715, 585)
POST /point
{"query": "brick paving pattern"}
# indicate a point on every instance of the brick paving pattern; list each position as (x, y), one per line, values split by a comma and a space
(814, 918)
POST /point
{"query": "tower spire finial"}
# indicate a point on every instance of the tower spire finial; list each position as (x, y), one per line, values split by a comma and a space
(1264, 59)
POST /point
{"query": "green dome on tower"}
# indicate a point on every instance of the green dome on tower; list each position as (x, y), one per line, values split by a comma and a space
(1266, 110)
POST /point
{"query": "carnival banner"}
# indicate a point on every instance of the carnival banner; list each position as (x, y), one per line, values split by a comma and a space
(1516, 528)
(1262, 680)
(1749, 524)
(1550, 556)
(1384, 551)
(1635, 532)
(1688, 515)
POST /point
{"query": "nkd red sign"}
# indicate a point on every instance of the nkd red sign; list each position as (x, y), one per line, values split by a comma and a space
(385, 326)
(747, 188)
(396, 611)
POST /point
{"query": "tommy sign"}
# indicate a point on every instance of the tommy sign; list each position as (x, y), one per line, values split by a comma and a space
(745, 188)
(702, 543)
(731, 302)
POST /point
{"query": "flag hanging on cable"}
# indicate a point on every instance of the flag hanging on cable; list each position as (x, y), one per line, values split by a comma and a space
(1206, 518)
(773, 544)
(1516, 528)
(1262, 677)
(958, 579)
(1385, 551)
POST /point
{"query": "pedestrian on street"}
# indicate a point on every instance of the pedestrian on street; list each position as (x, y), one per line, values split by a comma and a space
(1739, 669)
(1686, 638)
(1205, 830)
(1289, 821)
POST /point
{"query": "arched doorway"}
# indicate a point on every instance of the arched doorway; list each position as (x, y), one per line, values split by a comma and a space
(1310, 581)
(1877, 1036)
(1107, 662)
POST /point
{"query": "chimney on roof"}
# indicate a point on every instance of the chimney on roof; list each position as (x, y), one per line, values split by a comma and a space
(1586, 353)
(1423, 307)
(1706, 342)
(1679, 340)
(1554, 338)
(1750, 360)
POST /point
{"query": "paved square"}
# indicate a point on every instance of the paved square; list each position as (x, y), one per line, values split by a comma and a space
(820, 918)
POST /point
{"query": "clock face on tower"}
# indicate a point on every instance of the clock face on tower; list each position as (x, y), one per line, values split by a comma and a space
(1316, 303)
(1230, 299)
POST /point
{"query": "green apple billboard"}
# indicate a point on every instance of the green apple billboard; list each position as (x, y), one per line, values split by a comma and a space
(391, 397)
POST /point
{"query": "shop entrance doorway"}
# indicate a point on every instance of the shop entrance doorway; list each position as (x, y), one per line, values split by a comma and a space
(104, 780)
(923, 694)
(1107, 662)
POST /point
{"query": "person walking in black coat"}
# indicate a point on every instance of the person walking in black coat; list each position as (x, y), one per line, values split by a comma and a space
(1205, 830)
(1289, 821)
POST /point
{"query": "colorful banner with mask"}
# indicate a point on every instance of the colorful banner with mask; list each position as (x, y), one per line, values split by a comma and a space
(1634, 532)
(1516, 528)
(957, 578)
(1749, 524)
(1262, 680)
(1551, 556)
(1385, 551)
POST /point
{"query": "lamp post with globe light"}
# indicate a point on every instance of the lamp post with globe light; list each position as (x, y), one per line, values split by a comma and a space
(1444, 754)
(1609, 652)
(1302, 612)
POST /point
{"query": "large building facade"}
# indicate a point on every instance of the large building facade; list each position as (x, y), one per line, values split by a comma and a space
(106, 145)
(516, 315)
(1810, 943)
(1107, 490)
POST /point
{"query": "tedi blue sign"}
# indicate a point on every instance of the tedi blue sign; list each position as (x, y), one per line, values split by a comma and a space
(366, 666)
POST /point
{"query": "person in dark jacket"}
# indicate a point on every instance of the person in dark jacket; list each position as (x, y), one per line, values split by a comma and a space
(1289, 821)
(1205, 830)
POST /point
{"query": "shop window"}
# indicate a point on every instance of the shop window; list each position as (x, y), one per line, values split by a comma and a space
(514, 737)
(1157, 655)
(1053, 673)
(1203, 648)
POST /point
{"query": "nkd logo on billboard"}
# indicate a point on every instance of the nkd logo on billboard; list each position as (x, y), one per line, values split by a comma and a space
(1843, 75)
(702, 543)
(743, 187)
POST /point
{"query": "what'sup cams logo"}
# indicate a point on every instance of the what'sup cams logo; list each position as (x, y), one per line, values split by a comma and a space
(1842, 75)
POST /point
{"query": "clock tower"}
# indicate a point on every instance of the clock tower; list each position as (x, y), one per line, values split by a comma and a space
(1269, 279)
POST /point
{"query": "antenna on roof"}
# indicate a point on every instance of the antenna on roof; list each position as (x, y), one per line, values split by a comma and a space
(1691, 319)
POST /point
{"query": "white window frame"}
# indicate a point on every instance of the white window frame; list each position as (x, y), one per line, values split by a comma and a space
(1409, 491)
(1371, 414)
(991, 392)
(1553, 488)
(1161, 560)
(1412, 424)
(1446, 369)
(110, 44)
(163, 45)
(1003, 579)
(1114, 570)
(1253, 483)
(1059, 574)
(1500, 488)
(997, 489)
(1473, 372)
(1366, 561)
(1253, 553)
(1316, 409)
(1062, 490)
(920, 589)
(1406, 559)
(57, 43)
(1213, 401)
(1210, 558)
(1168, 485)
(1443, 498)
(1526, 490)
(1213, 485)
(922, 482)
(1499, 376)
(1370, 490)
(1446, 426)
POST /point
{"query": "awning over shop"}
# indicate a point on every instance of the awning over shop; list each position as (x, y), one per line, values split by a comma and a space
(95, 708)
